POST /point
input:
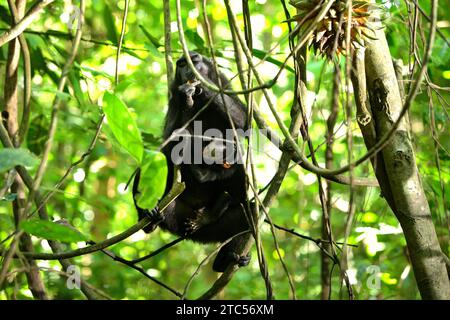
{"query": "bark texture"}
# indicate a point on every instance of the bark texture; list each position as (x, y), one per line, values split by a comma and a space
(409, 202)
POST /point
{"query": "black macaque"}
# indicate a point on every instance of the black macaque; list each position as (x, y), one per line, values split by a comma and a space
(213, 207)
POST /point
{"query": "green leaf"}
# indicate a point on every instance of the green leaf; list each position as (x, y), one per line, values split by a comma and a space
(52, 231)
(124, 84)
(95, 73)
(154, 41)
(150, 140)
(133, 54)
(195, 39)
(152, 50)
(10, 157)
(10, 197)
(6, 222)
(123, 125)
(74, 77)
(4, 15)
(63, 96)
(152, 181)
(37, 134)
(261, 54)
(110, 26)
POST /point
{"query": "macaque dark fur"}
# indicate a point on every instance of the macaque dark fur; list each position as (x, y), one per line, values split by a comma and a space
(212, 207)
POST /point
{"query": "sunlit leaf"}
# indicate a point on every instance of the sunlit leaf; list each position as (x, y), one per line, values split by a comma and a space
(6, 222)
(275, 254)
(152, 182)
(369, 217)
(123, 125)
(386, 278)
(52, 231)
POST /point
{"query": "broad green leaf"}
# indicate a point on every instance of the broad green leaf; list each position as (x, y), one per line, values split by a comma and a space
(52, 231)
(152, 181)
(9, 158)
(123, 125)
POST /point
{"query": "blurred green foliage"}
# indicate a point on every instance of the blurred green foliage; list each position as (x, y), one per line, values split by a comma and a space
(96, 201)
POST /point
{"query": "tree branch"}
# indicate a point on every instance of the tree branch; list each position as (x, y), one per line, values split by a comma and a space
(23, 24)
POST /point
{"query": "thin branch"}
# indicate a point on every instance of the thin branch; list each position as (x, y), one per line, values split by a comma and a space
(56, 104)
(167, 44)
(176, 190)
(15, 31)
(445, 38)
(206, 259)
(119, 46)
(68, 36)
(130, 264)
(326, 210)
(158, 251)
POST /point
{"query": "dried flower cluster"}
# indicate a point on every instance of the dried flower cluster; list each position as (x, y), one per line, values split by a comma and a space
(333, 26)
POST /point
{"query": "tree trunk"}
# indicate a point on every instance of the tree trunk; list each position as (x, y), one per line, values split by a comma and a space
(409, 202)
(11, 108)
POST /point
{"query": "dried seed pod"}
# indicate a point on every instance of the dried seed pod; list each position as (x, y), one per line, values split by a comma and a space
(333, 26)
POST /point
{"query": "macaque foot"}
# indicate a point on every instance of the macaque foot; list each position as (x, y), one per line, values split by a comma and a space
(155, 218)
(241, 261)
(155, 215)
(225, 259)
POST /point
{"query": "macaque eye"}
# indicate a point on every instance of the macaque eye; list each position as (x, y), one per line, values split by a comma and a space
(196, 58)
